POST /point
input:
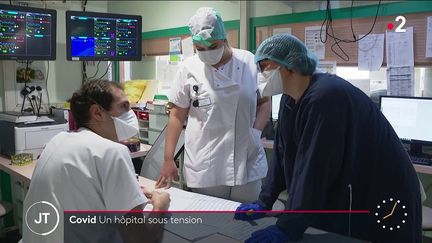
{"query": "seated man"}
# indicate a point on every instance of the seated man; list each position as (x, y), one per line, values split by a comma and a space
(90, 170)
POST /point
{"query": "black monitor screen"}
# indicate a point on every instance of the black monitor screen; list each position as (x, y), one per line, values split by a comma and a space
(101, 36)
(27, 33)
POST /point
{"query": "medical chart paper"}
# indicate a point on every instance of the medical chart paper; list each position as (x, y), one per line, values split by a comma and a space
(400, 81)
(399, 48)
(313, 40)
(187, 201)
(371, 52)
(212, 222)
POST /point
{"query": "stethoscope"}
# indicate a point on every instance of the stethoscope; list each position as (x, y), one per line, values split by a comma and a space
(195, 103)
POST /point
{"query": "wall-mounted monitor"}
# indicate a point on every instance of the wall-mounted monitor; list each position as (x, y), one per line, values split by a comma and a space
(27, 33)
(103, 36)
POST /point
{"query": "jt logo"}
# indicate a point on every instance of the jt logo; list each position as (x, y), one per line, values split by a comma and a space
(42, 218)
(45, 216)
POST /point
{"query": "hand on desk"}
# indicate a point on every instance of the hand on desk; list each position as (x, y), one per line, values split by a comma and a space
(168, 172)
(250, 215)
(146, 192)
(271, 234)
(160, 200)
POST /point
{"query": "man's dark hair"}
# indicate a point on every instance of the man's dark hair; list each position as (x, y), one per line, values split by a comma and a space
(91, 92)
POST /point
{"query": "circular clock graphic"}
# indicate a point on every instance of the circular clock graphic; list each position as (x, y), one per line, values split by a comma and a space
(391, 214)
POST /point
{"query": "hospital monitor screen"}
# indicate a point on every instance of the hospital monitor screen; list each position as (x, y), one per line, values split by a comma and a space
(103, 36)
(410, 117)
(27, 33)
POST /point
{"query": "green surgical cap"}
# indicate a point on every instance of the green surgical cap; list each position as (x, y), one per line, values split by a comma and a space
(206, 25)
(289, 51)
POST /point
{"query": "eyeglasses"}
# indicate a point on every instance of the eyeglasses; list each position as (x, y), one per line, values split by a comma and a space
(259, 67)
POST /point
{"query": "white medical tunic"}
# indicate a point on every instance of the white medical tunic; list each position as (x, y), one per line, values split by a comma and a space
(82, 171)
(221, 145)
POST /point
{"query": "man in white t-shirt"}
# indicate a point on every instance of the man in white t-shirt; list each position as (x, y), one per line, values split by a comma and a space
(89, 170)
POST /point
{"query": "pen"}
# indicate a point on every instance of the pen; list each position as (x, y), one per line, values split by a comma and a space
(251, 222)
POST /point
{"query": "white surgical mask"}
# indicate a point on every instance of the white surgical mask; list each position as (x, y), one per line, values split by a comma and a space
(211, 57)
(126, 125)
(270, 82)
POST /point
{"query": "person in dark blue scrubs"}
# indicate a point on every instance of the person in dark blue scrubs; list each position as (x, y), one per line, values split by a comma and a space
(333, 150)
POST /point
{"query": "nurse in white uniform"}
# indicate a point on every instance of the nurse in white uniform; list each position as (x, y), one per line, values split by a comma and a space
(217, 91)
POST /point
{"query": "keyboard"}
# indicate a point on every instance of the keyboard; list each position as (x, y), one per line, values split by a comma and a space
(421, 160)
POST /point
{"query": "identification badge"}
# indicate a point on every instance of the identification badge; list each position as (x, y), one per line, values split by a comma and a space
(204, 102)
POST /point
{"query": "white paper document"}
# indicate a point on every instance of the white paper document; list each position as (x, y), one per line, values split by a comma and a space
(313, 40)
(429, 37)
(399, 48)
(400, 81)
(40, 119)
(211, 222)
(187, 48)
(282, 31)
(187, 201)
(371, 52)
(214, 223)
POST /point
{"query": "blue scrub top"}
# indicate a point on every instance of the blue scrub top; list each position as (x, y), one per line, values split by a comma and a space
(334, 150)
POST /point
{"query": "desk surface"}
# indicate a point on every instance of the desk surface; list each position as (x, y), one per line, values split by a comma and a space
(24, 172)
(312, 235)
(425, 169)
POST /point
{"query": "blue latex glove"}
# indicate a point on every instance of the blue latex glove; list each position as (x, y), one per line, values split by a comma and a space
(250, 215)
(271, 234)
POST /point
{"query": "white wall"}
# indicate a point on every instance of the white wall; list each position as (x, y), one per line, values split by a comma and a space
(158, 15)
(146, 69)
(269, 8)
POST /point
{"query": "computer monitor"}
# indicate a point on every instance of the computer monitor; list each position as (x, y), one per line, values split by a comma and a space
(153, 161)
(27, 33)
(411, 118)
(103, 36)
